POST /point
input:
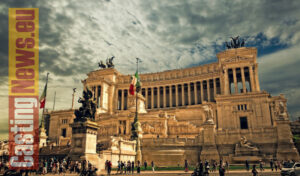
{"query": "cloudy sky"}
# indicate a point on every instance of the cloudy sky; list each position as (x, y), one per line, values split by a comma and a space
(169, 34)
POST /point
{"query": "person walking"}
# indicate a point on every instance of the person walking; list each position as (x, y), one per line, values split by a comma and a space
(247, 165)
(132, 167)
(221, 171)
(109, 165)
(186, 166)
(138, 167)
(271, 164)
(254, 171)
(152, 165)
(261, 167)
(145, 165)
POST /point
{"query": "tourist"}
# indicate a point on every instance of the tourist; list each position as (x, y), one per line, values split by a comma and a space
(45, 167)
(275, 165)
(152, 165)
(132, 167)
(247, 165)
(226, 166)
(106, 165)
(254, 171)
(271, 164)
(145, 165)
(119, 167)
(138, 167)
(221, 171)
(186, 166)
(261, 167)
(109, 167)
(201, 168)
(128, 167)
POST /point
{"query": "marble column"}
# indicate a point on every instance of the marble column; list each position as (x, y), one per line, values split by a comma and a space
(195, 92)
(215, 87)
(235, 80)
(176, 94)
(226, 83)
(256, 77)
(243, 80)
(170, 96)
(96, 95)
(122, 99)
(165, 96)
(146, 96)
(208, 90)
(201, 92)
(251, 78)
(182, 94)
(152, 97)
(189, 94)
(158, 97)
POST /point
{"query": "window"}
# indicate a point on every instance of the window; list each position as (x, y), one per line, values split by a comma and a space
(64, 121)
(63, 132)
(243, 122)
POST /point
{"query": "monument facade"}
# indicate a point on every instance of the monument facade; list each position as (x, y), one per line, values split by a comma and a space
(213, 111)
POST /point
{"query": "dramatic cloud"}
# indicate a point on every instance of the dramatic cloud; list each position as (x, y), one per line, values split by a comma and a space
(75, 35)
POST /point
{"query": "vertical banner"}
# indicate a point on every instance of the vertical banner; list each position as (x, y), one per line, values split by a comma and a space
(23, 88)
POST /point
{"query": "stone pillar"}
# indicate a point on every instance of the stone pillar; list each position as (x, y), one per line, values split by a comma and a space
(208, 90)
(195, 92)
(256, 77)
(189, 94)
(235, 80)
(226, 83)
(170, 96)
(152, 97)
(243, 80)
(176, 94)
(146, 96)
(84, 141)
(122, 99)
(251, 78)
(96, 95)
(165, 96)
(158, 97)
(285, 149)
(101, 96)
(201, 91)
(215, 88)
(209, 148)
(182, 95)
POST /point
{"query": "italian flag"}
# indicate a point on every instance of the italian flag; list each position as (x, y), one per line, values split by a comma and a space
(43, 97)
(135, 83)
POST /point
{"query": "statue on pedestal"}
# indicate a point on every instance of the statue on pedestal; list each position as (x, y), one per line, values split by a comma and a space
(87, 109)
(208, 113)
(281, 112)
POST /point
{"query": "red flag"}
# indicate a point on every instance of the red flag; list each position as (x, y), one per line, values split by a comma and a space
(43, 97)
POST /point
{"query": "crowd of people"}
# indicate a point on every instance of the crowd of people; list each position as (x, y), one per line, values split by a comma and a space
(204, 168)
(128, 167)
(61, 166)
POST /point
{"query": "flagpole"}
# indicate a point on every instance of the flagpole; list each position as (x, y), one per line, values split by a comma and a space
(43, 120)
(54, 100)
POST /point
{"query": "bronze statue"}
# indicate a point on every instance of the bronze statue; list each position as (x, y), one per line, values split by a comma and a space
(109, 62)
(235, 43)
(88, 107)
(101, 64)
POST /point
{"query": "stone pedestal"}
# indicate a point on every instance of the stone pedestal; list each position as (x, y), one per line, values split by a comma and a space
(84, 141)
(286, 149)
(209, 149)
